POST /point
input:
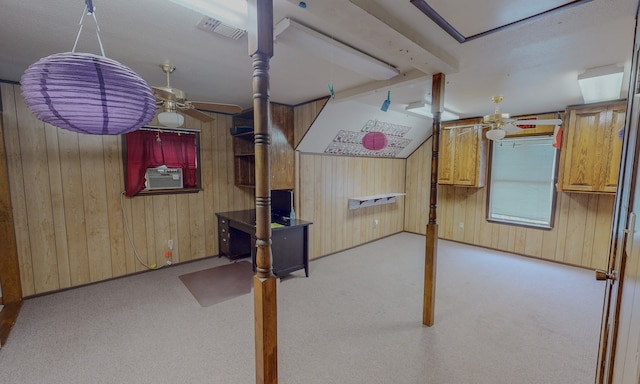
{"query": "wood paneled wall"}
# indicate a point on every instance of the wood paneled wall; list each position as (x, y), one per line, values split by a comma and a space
(418, 190)
(66, 195)
(303, 116)
(580, 235)
(324, 184)
(327, 182)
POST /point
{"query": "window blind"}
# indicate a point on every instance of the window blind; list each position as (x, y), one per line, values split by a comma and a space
(522, 181)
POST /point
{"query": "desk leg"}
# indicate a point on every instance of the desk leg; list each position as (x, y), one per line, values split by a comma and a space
(305, 250)
(253, 252)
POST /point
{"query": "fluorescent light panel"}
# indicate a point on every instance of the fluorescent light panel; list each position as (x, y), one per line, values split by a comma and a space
(327, 48)
(601, 83)
(231, 12)
(424, 109)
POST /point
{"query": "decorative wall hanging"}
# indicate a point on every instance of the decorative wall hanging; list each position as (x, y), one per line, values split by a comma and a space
(87, 93)
(376, 139)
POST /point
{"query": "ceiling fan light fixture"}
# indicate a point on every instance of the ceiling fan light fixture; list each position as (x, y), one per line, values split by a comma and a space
(601, 83)
(424, 109)
(170, 119)
(496, 134)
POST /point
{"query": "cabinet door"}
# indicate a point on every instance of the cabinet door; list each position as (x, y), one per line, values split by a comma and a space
(591, 148)
(466, 159)
(460, 156)
(446, 156)
(615, 121)
(583, 157)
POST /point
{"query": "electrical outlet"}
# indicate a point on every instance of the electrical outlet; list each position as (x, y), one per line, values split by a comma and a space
(461, 225)
(170, 245)
(375, 222)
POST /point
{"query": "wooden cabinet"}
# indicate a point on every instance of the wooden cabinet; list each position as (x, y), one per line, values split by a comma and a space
(591, 149)
(281, 150)
(462, 155)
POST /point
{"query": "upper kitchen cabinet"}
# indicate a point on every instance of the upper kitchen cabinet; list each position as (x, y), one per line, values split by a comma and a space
(591, 149)
(462, 154)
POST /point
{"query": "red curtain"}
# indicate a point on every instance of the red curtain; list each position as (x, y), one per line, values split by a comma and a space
(173, 149)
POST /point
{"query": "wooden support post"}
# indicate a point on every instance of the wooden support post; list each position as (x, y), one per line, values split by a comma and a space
(264, 282)
(431, 250)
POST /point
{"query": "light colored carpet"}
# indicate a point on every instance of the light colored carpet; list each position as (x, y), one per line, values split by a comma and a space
(500, 319)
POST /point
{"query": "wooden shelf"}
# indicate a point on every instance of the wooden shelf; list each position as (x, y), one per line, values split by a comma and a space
(281, 156)
(368, 201)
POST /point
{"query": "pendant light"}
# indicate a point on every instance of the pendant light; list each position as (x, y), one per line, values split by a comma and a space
(87, 93)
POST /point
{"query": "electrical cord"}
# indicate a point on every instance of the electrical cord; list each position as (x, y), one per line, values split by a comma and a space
(128, 231)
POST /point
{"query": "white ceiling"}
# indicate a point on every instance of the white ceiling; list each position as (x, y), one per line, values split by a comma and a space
(534, 65)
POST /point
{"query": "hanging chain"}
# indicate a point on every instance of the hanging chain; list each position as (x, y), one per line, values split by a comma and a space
(88, 9)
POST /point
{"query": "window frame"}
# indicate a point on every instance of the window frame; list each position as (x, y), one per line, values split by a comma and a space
(554, 184)
(164, 130)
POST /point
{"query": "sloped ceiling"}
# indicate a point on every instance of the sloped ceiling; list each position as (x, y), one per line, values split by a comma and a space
(341, 126)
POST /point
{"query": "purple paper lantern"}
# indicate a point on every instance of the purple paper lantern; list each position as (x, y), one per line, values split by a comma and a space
(87, 93)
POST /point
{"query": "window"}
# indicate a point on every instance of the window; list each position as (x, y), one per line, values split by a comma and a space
(521, 181)
(170, 154)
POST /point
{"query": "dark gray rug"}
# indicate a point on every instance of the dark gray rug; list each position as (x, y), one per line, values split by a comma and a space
(215, 285)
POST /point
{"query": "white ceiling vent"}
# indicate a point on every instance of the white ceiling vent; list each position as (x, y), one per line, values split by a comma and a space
(216, 26)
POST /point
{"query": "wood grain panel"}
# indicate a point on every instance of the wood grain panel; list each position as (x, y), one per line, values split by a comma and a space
(335, 178)
(33, 148)
(282, 141)
(57, 202)
(66, 198)
(9, 266)
(113, 165)
(10, 97)
(580, 236)
(304, 116)
(610, 177)
(94, 191)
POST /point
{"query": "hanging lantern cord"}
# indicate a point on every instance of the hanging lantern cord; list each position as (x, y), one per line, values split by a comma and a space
(88, 9)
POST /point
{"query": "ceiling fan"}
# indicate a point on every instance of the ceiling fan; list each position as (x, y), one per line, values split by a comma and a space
(173, 100)
(500, 123)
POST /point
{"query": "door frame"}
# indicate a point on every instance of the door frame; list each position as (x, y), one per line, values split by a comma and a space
(620, 225)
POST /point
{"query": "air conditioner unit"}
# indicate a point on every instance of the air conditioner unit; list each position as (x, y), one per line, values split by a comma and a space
(163, 178)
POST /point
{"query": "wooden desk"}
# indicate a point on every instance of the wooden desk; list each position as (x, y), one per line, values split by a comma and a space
(289, 243)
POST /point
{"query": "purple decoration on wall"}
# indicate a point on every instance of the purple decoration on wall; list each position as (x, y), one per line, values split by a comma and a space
(374, 141)
(87, 93)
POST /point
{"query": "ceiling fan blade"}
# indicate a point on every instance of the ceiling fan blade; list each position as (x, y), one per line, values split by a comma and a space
(197, 114)
(163, 93)
(217, 107)
(510, 128)
(477, 126)
(538, 122)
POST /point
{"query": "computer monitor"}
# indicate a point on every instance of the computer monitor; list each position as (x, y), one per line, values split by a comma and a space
(281, 203)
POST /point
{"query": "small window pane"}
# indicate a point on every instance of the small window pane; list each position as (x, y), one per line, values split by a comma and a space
(521, 189)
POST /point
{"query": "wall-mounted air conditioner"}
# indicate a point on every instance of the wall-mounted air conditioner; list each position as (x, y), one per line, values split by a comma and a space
(163, 178)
